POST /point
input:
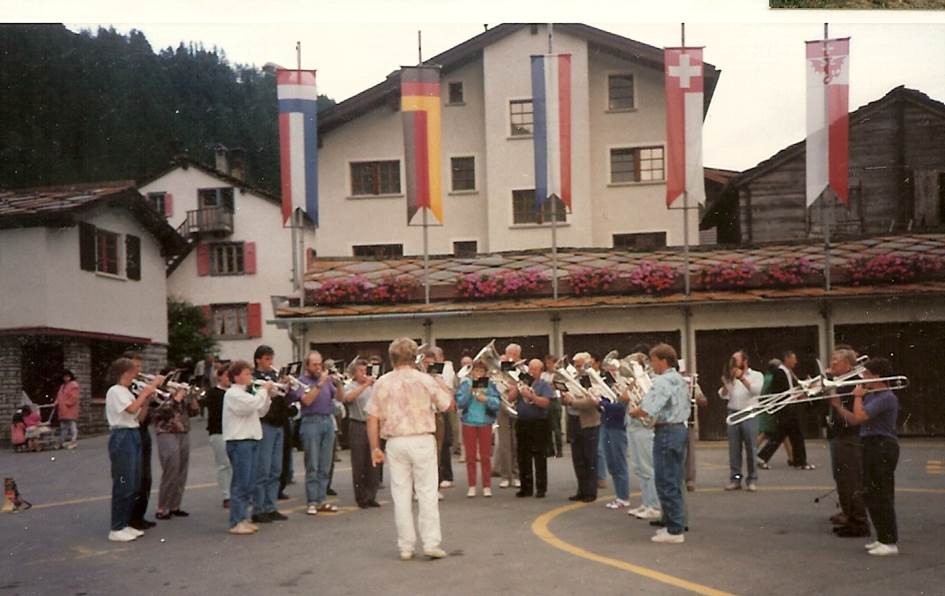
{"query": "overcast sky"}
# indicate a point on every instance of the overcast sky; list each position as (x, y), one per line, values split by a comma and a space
(758, 107)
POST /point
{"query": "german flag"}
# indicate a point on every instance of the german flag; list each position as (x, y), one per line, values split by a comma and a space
(420, 104)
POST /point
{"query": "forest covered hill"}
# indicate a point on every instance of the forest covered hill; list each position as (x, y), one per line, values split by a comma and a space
(93, 106)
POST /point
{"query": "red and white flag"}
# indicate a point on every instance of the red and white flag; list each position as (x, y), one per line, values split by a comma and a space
(684, 109)
(828, 87)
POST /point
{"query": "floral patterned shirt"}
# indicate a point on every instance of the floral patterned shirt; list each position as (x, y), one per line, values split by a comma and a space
(174, 417)
(405, 400)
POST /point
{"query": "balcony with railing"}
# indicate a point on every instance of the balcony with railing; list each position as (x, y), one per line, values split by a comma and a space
(217, 221)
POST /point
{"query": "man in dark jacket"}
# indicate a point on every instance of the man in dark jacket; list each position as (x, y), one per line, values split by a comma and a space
(788, 419)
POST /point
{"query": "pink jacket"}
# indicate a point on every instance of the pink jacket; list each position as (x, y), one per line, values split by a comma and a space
(67, 400)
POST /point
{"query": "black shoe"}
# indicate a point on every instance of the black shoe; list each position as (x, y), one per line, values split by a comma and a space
(283, 497)
(277, 516)
(588, 499)
(331, 492)
(179, 513)
(162, 516)
(261, 518)
(577, 497)
(373, 503)
(540, 494)
(363, 505)
(852, 531)
(658, 523)
(520, 494)
(142, 524)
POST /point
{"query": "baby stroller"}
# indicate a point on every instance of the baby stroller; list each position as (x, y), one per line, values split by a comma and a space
(39, 434)
(18, 431)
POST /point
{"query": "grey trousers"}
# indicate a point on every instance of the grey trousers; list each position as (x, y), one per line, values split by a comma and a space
(174, 455)
(222, 460)
(505, 462)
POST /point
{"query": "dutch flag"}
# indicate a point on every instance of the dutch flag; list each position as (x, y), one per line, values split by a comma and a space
(551, 100)
(298, 142)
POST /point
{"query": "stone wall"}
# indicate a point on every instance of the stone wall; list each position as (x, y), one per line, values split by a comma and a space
(10, 384)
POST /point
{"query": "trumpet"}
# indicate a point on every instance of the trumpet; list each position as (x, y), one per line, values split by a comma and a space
(278, 389)
(159, 397)
(567, 375)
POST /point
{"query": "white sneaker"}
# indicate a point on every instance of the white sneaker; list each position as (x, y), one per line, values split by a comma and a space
(121, 536)
(752, 487)
(650, 513)
(446, 484)
(487, 491)
(636, 511)
(617, 504)
(872, 545)
(885, 550)
(503, 483)
(435, 553)
(517, 483)
(133, 531)
(471, 492)
(666, 538)
(406, 555)
(439, 495)
(312, 509)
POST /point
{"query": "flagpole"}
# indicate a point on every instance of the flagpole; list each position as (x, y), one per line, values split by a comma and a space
(424, 222)
(554, 203)
(685, 210)
(826, 209)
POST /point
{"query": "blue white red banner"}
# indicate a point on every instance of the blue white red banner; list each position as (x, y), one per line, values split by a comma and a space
(298, 142)
(551, 101)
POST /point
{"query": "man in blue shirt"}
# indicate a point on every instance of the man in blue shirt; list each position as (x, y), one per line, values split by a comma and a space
(531, 431)
(317, 431)
(668, 403)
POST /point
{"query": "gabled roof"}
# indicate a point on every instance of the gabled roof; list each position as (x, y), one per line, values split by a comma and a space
(858, 116)
(63, 206)
(597, 39)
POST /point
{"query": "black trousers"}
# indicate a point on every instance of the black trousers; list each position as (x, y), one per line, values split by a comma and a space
(554, 430)
(880, 456)
(445, 462)
(144, 488)
(363, 473)
(288, 445)
(584, 458)
(847, 451)
(788, 427)
(532, 439)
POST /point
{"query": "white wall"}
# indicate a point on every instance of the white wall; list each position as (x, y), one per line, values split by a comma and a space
(53, 291)
(256, 219)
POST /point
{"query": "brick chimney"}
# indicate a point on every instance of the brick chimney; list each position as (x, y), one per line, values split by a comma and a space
(222, 162)
(237, 159)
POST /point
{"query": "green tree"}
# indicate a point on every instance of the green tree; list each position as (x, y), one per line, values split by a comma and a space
(187, 333)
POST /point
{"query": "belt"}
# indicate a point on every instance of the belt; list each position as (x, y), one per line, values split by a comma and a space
(659, 424)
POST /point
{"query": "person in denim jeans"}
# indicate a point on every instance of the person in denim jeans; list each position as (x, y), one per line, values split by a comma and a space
(614, 440)
(317, 431)
(741, 387)
(668, 403)
(269, 451)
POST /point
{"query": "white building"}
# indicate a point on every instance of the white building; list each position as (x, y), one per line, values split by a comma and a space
(618, 148)
(83, 280)
(238, 257)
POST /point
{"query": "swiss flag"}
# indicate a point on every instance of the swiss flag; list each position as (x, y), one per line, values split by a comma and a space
(684, 109)
(828, 128)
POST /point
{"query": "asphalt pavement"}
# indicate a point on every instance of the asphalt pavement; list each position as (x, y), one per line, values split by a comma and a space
(775, 541)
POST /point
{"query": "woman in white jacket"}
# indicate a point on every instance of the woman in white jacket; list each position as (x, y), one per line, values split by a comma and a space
(242, 432)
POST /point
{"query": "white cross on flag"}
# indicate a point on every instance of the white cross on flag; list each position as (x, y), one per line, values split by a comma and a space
(828, 87)
(684, 109)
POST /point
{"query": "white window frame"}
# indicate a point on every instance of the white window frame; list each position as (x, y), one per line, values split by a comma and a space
(403, 178)
(460, 103)
(152, 198)
(449, 162)
(636, 93)
(453, 241)
(219, 245)
(635, 145)
(119, 256)
(525, 226)
(508, 118)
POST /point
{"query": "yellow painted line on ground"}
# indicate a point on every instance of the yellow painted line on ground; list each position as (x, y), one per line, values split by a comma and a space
(108, 497)
(540, 527)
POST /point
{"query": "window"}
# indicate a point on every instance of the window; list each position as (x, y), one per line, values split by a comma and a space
(230, 321)
(620, 92)
(379, 251)
(643, 240)
(465, 248)
(524, 210)
(375, 178)
(636, 164)
(521, 117)
(215, 197)
(106, 251)
(226, 258)
(463, 171)
(456, 93)
(157, 201)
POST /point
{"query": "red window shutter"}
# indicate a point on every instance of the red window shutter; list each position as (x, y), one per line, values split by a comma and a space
(203, 259)
(168, 205)
(207, 318)
(254, 319)
(249, 257)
